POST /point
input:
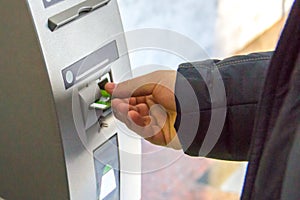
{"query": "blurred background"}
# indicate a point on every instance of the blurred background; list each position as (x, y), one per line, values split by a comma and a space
(221, 28)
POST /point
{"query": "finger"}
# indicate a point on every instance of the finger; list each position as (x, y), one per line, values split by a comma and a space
(118, 105)
(115, 102)
(140, 120)
(142, 109)
(132, 101)
(142, 99)
(136, 118)
(139, 124)
(144, 127)
(122, 106)
(109, 87)
(120, 109)
(137, 100)
(135, 122)
(145, 131)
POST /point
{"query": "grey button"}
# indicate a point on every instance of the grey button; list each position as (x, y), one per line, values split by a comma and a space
(69, 77)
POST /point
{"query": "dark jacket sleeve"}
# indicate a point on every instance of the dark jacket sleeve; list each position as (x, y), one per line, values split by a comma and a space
(216, 104)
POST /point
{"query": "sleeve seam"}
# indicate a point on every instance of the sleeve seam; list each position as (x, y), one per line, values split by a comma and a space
(224, 64)
(243, 61)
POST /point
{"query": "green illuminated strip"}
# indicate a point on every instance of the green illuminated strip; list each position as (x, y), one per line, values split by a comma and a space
(104, 93)
(106, 169)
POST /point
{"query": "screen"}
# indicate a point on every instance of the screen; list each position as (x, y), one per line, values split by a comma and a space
(106, 159)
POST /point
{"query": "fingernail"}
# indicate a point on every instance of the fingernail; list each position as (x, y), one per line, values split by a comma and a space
(110, 86)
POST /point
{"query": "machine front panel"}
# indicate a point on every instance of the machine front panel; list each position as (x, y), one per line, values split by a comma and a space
(81, 51)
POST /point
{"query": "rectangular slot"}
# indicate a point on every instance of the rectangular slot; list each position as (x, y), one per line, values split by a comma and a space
(104, 102)
(74, 13)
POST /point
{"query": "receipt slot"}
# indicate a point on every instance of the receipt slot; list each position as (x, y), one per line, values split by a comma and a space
(58, 137)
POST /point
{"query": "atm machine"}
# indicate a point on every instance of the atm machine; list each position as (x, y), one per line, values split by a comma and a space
(58, 137)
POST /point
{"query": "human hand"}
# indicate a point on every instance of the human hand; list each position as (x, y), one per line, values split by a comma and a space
(146, 105)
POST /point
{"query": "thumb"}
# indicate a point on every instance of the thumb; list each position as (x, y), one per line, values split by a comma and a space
(140, 86)
(109, 87)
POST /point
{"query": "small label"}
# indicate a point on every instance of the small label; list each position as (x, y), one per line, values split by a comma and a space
(48, 3)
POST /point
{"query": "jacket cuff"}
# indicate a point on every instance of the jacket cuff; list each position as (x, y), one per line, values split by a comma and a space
(192, 103)
(242, 78)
